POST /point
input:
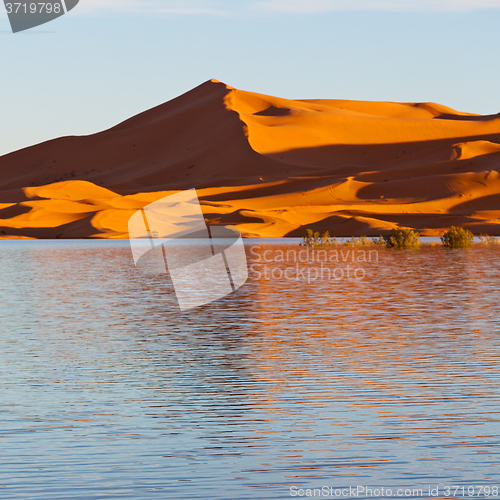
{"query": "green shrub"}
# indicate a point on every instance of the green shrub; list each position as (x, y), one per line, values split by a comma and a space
(309, 239)
(314, 239)
(402, 238)
(325, 239)
(489, 240)
(359, 241)
(457, 237)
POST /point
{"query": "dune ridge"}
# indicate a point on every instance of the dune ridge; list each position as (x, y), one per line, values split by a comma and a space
(270, 167)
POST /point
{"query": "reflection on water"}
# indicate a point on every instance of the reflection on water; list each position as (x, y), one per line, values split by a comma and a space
(109, 391)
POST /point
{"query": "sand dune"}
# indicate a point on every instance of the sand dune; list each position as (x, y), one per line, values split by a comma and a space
(271, 167)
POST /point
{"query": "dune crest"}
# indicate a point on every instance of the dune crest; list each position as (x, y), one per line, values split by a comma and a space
(270, 167)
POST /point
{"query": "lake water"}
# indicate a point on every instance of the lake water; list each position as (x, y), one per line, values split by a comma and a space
(384, 379)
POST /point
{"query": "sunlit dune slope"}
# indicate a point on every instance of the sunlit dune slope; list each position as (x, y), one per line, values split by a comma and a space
(271, 167)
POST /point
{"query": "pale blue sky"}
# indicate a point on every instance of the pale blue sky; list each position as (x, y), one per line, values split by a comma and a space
(110, 59)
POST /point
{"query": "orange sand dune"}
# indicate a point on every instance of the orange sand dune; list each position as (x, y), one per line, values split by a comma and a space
(271, 167)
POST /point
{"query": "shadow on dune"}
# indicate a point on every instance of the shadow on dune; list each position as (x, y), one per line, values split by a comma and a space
(342, 157)
(473, 118)
(274, 111)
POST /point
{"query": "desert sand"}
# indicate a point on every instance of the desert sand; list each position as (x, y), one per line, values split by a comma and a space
(267, 166)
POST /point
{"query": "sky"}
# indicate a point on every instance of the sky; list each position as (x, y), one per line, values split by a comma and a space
(108, 60)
